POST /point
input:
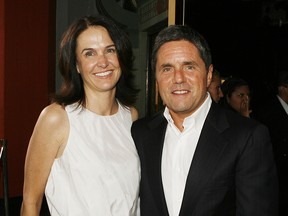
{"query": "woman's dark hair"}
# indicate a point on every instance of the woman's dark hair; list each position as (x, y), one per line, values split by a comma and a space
(231, 84)
(72, 89)
(178, 33)
(228, 87)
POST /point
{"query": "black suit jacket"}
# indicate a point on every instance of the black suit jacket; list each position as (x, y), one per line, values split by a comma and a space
(273, 115)
(232, 171)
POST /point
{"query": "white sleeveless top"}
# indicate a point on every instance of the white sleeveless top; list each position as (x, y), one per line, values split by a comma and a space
(99, 171)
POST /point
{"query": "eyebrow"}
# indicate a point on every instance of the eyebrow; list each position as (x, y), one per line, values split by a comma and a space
(184, 63)
(190, 63)
(166, 65)
(92, 49)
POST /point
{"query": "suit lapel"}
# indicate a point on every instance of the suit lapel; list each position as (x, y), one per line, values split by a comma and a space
(208, 150)
(279, 108)
(153, 149)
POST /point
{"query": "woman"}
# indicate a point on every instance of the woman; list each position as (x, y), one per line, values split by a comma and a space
(236, 95)
(81, 153)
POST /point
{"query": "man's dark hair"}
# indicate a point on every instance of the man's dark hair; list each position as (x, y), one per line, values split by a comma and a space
(178, 33)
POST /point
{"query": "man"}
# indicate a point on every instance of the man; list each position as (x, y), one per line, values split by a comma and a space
(197, 159)
(215, 86)
(274, 115)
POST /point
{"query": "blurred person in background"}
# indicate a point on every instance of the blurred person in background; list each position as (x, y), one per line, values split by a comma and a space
(215, 86)
(236, 96)
(274, 114)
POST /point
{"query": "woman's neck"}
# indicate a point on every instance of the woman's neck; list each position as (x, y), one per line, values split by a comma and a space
(102, 104)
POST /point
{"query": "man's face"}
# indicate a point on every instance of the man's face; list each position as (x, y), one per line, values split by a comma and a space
(215, 90)
(283, 92)
(181, 77)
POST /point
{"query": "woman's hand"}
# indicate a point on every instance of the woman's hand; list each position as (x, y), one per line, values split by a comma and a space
(245, 108)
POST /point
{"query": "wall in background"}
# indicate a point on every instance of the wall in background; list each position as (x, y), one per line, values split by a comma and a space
(2, 67)
(27, 66)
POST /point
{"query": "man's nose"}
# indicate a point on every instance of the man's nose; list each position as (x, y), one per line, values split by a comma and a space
(179, 76)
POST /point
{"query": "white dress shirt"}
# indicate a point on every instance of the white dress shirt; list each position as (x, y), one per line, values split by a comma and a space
(178, 151)
(283, 103)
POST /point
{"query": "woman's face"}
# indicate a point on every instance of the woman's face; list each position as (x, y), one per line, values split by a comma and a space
(97, 60)
(240, 99)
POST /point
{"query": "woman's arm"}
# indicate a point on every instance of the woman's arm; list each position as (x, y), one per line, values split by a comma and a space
(46, 143)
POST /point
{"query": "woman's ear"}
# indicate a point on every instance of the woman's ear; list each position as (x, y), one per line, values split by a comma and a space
(77, 68)
(228, 99)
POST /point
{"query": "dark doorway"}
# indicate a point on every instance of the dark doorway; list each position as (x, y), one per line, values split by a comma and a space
(248, 38)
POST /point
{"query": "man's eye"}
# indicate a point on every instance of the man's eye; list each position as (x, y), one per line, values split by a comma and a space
(189, 67)
(166, 69)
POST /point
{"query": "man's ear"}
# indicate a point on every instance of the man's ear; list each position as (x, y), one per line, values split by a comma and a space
(209, 75)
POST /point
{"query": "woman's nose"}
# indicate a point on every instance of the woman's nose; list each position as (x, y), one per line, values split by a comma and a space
(102, 61)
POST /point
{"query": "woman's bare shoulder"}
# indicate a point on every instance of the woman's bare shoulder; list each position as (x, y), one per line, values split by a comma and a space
(53, 115)
(52, 129)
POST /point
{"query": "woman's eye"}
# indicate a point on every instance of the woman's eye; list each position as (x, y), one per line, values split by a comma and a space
(241, 95)
(111, 50)
(89, 53)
